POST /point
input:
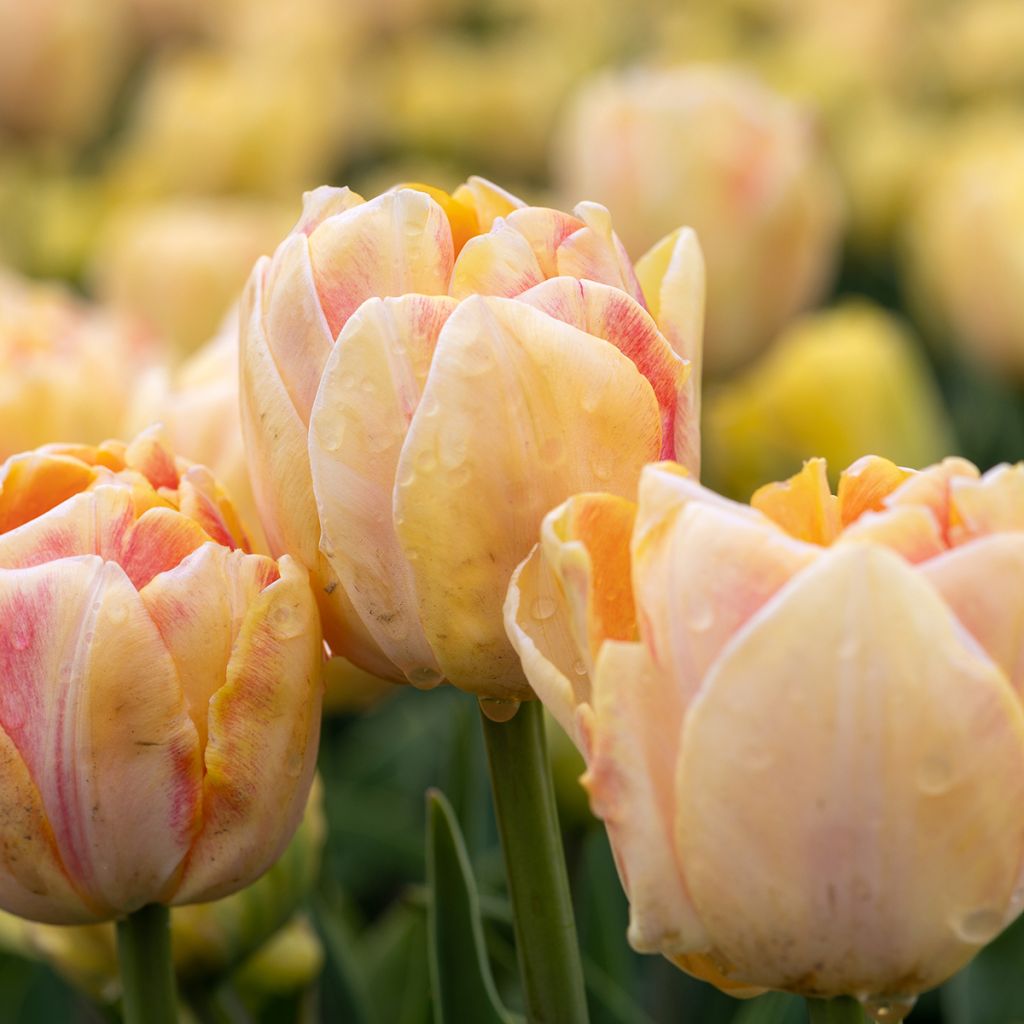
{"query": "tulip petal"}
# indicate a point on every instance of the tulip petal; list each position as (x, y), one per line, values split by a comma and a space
(545, 229)
(909, 530)
(93, 704)
(637, 724)
(993, 504)
(33, 883)
(369, 392)
(803, 505)
(883, 801)
(700, 575)
(260, 754)
(35, 482)
(982, 584)
(864, 486)
(275, 438)
(294, 323)
(322, 202)
(931, 487)
(594, 252)
(516, 436)
(489, 200)
(671, 275)
(500, 262)
(609, 313)
(571, 594)
(198, 607)
(398, 243)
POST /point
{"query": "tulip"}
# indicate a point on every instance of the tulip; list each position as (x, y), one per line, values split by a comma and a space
(161, 705)
(972, 203)
(713, 148)
(801, 717)
(423, 376)
(68, 368)
(839, 382)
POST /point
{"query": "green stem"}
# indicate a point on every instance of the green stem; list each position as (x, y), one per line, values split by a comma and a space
(147, 974)
(524, 803)
(835, 1011)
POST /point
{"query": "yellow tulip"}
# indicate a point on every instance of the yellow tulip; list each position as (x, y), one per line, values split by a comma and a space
(839, 382)
(711, 147)
(67, 369)
(161, 706)
(423, 376)
(801, 717)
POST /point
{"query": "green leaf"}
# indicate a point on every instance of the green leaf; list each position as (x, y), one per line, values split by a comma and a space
(460, 973)
(988, 990)
(773, 1008)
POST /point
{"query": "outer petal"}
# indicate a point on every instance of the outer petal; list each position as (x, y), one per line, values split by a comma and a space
(671, 275)
(871, 838)
(264, 723)
(983, 583)
(93, 704)
(909, 530)
(398, 243)
(638, 716)
(275, 438)
(369, 392)
(33, 882)
(569, 596)
(502, 435)
(294, 323)
(993, 504)
(930, 488)
(699, 574)
(611, 314)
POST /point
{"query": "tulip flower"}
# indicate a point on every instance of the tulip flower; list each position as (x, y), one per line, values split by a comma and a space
(801, 717)
(161, 703)
(713, 148)
(423, 376)
(67, 369)
(846, 380)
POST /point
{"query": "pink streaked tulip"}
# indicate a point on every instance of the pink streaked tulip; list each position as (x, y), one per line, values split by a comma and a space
(161, 699)
(801, 717)
(424, 375)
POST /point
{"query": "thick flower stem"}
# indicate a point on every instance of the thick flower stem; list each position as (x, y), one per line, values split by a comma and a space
(524, 803)
(835, 1011)
(147, 973)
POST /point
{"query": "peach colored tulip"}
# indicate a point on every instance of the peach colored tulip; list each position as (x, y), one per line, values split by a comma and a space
(801, 718)
(713, 148)
(161, 699)
(67, 369)
(424, 376)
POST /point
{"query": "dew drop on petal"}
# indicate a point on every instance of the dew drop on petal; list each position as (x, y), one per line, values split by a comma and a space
(543, 608)
(498, 710)
(978, 926)
(116, 612)
(425, 677)
(286, 620)
(935, 774)
(551, 450)
(888, 1009)
(579, 667)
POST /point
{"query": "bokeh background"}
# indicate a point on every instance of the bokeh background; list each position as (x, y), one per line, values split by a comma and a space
(855, 172)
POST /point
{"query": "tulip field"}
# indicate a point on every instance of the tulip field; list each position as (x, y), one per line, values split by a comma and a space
(512, 512)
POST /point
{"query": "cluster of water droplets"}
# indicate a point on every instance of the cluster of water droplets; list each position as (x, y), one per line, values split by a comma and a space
(888, 1009)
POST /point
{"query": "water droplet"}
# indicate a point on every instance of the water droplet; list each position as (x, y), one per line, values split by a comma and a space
(347, 382)
(935, 774)
(367, 386)
(293, 765)
(551, 450)
(758, 759)
(498, 710)
(700, 617)
(543, 608)
(888, 1009)
(460, 476)
(286, 620)
(591, 400)
(425, 677)
(117, 612)
(601, 465)
(579, 667)
(849, 648)
(426, 461)
(477, 360)
(978, 926)
(454, 449)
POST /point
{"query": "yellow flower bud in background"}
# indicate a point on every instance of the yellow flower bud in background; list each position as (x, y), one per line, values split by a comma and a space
(801, 717)
(712, 148)
(161, 708)
(209, 940)
(839, 382)
(180, 265)
(423, 376)
(68, 369)
(965, 246)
